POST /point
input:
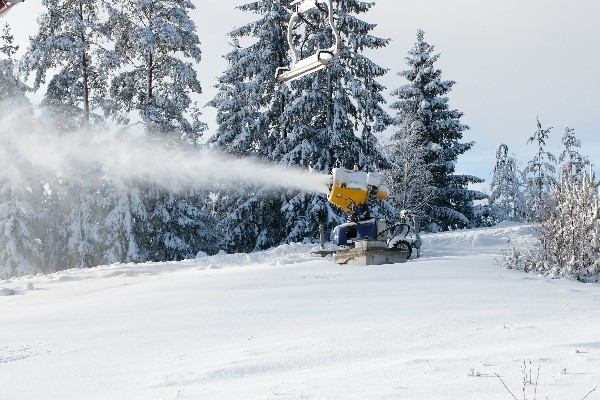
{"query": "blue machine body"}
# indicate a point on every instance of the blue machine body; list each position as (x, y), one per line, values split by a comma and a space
(352, 231)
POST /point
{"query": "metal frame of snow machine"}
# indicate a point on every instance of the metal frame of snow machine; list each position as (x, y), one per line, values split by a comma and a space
(5, 5)
(322, 58)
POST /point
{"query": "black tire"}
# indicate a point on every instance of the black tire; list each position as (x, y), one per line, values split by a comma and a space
(404, 246)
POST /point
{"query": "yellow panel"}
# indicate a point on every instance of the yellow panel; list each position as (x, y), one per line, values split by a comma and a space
(382, 193)
(348, 198)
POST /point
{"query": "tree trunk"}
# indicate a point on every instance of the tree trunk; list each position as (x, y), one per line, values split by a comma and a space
(150, 77)
(84, 63)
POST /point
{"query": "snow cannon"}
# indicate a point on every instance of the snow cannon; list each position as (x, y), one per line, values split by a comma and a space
(362, 240)
(351, 190)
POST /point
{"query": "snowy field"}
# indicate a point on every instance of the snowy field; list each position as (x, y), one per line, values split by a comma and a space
(284, 325)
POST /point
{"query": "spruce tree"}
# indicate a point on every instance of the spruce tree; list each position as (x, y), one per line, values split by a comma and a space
(249, 101)
(124, 223)
(19, 251)
(422, 110)
(12, 90)
(49, 199)
(180, 226)
(81, 222)
(506, 200)
(573, 163)
(539, 177)
(333, 115)
(249, 104)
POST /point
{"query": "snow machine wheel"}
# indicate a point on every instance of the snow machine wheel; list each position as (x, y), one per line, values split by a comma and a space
(403, 245)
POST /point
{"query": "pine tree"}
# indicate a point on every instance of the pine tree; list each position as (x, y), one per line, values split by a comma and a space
(422, 111)
(506, 200)
(12, 90)
(68, 45)
(68, 52)
(249, 105)
(157, 46)
(572, 162)
(539, 177)
(333, 114)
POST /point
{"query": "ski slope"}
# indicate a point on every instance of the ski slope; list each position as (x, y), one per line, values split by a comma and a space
(281, 324)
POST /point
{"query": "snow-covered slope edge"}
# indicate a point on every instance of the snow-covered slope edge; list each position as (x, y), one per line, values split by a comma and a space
(463, 241)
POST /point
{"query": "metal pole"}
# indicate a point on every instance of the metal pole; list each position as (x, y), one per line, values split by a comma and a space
(322, 235)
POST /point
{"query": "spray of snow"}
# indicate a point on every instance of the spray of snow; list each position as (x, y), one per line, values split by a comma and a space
(25, 144)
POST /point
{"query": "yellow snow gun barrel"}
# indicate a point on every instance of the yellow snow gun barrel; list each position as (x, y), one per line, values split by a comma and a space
(350, 189)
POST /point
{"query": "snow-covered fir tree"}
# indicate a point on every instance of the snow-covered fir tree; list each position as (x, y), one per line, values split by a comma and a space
(539, 176)
(19, 250)
(572, 162)
(181, 226)
(249, 104)
(123, 223)
(68, 45)
(409, 177)
(157, 46)
(81, 224)
(7, 40)
(12, 90)
(48, 224)
(333, 114)
(506, 201)
(423, 108)
(250, 100)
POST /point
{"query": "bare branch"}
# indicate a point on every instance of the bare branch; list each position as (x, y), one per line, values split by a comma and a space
(511, 393)
(591, 391)
(537, 379)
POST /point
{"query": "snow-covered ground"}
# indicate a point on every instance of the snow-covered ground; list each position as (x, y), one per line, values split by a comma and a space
(283, 325)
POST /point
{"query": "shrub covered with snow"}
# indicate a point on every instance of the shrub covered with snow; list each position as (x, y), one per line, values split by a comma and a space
(568, 242)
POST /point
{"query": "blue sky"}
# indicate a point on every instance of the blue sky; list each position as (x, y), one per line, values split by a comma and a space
(511, 60)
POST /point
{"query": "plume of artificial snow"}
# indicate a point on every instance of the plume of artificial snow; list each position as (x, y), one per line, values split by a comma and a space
(126, 157)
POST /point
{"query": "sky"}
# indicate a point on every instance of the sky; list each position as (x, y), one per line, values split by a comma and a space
(512, 61)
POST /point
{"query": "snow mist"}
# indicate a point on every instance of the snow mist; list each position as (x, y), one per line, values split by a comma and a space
(26, 144)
